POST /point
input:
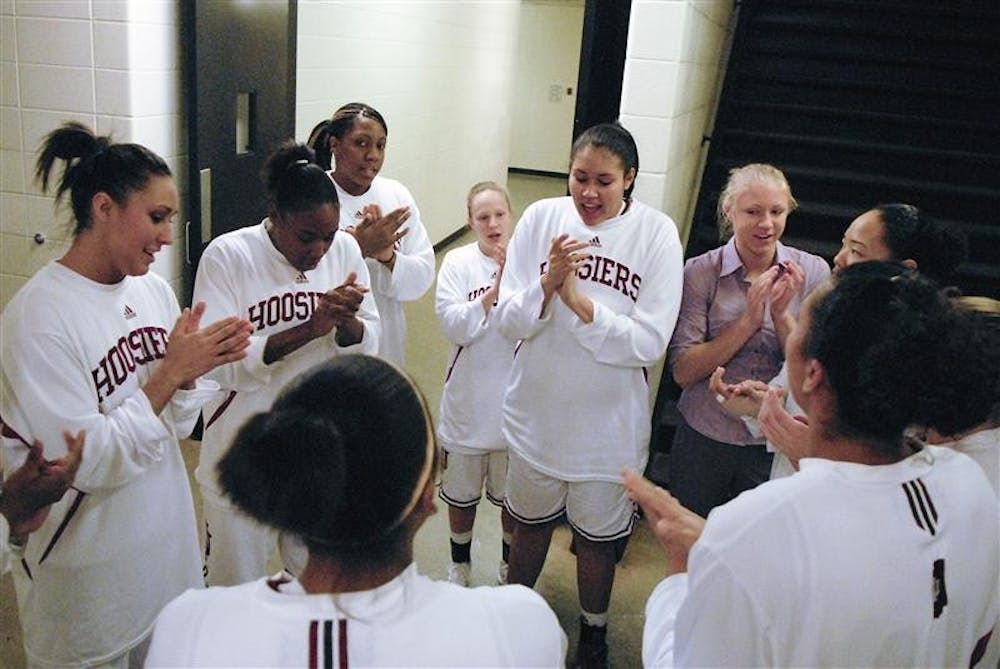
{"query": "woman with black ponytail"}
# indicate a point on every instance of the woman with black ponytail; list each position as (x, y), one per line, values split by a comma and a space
(304, 288)
(345, 459)
(380, 213)
(96, 342)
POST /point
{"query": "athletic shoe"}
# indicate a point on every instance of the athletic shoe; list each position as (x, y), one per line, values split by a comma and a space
(591, 656)
(592, 650)
(458, 572)
(502, 573)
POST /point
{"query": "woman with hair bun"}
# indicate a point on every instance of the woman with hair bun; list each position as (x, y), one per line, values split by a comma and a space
(981, 442)
(345, 459)
(304, 288)
(881, 550)
(911, 237)
(95, 342)
(380, 213)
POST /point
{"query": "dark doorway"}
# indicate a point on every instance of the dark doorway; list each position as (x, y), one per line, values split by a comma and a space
(240, 91)
(602, 62)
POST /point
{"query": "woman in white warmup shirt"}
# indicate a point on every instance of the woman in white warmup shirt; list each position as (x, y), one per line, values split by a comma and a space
(881, 550)
(303, 286)
(96, 342)
(346, 460)
(476, 381)
(380, 213)
(591, 291)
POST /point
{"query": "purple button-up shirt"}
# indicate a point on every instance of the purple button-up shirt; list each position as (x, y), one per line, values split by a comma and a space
(715, 295)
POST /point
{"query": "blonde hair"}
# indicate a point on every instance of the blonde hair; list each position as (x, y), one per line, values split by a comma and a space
(979, 304)
(482, 187)
(741, 178)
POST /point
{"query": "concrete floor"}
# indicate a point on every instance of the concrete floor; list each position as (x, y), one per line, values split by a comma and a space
(639, 571)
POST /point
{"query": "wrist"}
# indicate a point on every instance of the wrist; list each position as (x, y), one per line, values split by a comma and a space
(349, 333)
(489, 299)
(313, 329)
(676, 565)
(748, 325)
(549, 286)
(387, 259)
(5, 507)
(18, 520)
(162, 385)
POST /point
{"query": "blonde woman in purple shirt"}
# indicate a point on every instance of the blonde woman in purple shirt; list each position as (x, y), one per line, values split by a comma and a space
(739, 304)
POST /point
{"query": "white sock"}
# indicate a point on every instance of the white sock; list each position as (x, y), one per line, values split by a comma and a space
(461, 538)
(594, 619)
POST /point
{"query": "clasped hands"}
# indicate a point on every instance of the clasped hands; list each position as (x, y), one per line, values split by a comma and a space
(193, 350)
(338, 307)
(377, 234)
(775, 286)
(31, 490)
(560, 275)
(756, 399)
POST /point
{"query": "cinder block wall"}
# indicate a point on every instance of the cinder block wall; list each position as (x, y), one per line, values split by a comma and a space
(112, 65)
(672, 71)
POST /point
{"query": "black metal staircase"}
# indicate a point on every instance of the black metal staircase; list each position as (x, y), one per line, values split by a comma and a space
(861, 103)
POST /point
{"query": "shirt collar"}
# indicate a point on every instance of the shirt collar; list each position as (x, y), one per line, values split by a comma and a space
(731, 262)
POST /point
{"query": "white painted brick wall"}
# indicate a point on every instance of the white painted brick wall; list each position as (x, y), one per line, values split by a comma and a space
(668, 95)
(113, 65)
(442, 75)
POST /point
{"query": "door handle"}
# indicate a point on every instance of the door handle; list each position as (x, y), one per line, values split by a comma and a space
(206, 205)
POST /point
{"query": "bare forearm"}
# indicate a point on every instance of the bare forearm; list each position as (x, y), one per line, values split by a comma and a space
(581, 305)
(287, 341)
(783, 325)
(161, 387)
(548, 290)
(489, 300)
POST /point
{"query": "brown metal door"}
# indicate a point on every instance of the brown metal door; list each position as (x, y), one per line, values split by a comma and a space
(240, 92)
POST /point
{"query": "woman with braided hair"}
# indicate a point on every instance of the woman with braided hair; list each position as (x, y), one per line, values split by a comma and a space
(380, 213)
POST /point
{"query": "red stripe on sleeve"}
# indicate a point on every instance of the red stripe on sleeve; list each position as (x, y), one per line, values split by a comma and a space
(222, 408)
(313, 632)
(451, 367)
(980, 650)
(11, 433)
(342, 642)
(62, 526)
(327, 644)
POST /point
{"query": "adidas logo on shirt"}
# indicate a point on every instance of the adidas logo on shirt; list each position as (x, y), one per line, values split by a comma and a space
(596, 241)
(302, 278)
(129, 312)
